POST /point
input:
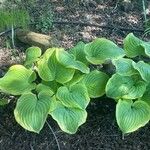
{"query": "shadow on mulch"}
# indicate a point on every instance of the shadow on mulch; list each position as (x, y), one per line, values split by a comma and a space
(100, 132)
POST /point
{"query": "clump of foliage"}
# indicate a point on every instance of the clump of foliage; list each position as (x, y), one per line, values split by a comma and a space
(44, 22)
(14, 17)
(60, 84)
(130, 87)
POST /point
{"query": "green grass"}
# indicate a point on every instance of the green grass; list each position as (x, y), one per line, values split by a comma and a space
(15, 18)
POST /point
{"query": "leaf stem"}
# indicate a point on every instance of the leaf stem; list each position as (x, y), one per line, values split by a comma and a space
(144, 10)
(12, 36)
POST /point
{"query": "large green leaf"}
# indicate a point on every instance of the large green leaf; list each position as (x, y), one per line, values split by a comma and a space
(17, 80)
(146, 46)
(144, 70)
(78, 76)
(131, 116)
(69, 119)
(42, 87)
(69, 61)
(78, 52)
(146, 96)
(132, 46)
(42, 66)
(101, 50)
(124, 66)
(127, 87)
(95, 82)
(50, 69)
(76, 96)
(53, 85)
(55, 103)
(31, 111)
(62, 74)
(32, 54)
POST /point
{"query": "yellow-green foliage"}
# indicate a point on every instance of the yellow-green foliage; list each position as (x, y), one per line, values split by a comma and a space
(16, 18)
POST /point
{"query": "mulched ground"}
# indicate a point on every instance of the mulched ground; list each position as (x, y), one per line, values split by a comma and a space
(100, 132)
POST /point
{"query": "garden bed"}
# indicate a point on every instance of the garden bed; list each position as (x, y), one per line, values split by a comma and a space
(101, 131)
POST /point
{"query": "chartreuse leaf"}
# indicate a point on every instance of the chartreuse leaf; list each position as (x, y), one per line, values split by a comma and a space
(126, 87)
(146, 96)
(61, 73)
(95, 82)
(78, 76)
(146, 46)
(53, 85)
(69, 119)
(69, 61)
(132, 46)
(55, 103)
(131, 116)
(32, 54)
(78, 52)
(42, 66)
(144, 70)
(50, 69)
(42, 87)
(101, 50)
(17, 80)
(31, 111)
(76, 96)
(124, 66)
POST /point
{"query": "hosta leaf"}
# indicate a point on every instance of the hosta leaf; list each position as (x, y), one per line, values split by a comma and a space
(32, 54)
(95, 82)
(50, 69)
(146, 96)
(53, 85)
(17, 80)
(131, 116)
(62, 74)
(43, 70)
(143, 69)
(132, 46)
(124, 66)
(31, 111)
(69, 119)
(55, 103)
(146, 46)
(75, 96)
(78, 76)
(127, 87)
(78, 52)
(69, 61)
(42, 87)
(101, 50)
(42, 66)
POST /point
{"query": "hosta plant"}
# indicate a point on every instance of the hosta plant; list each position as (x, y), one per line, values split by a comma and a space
(60, 84)
(129, 86)
(57, 84)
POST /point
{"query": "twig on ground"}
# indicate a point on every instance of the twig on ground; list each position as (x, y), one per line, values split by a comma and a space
(8, 31)
(54, 135)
